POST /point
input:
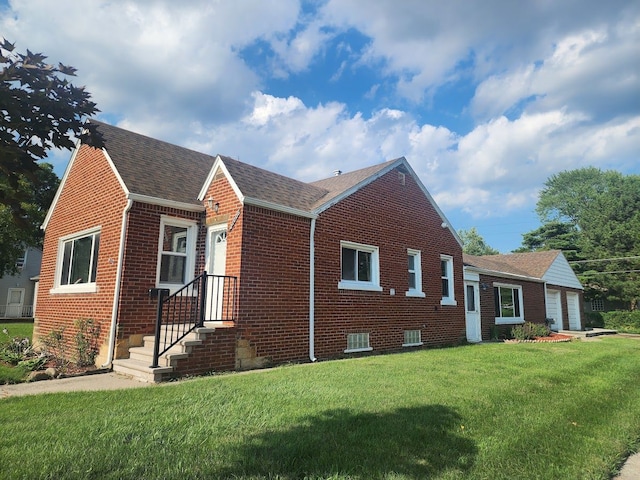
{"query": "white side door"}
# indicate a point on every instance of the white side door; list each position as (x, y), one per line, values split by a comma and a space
(554, 309)
(573, 311)
(15, 301)
(216, 265)
(472, 311)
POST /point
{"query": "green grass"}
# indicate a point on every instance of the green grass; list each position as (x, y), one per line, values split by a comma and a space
(15, 329)
(493, 411)
(11, 373)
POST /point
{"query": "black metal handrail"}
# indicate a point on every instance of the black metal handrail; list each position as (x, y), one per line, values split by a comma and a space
(205, 298)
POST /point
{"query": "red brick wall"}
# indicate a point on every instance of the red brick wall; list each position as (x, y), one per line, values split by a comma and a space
(274, 284)
(533, 299)
(393, 217)
(91, 197)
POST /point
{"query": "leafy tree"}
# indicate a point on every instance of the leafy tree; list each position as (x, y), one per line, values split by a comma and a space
(13, 237)
(593, 215)
(474, 244)
(41, 110)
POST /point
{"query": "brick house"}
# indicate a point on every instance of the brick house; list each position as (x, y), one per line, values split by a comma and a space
(518, 288)
(358, 262)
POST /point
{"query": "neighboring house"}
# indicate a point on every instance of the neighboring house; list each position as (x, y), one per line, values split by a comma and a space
(358, 262)
(18, 292)
(522, 287)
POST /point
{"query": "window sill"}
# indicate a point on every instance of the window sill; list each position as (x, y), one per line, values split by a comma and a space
(80, 288)
(350, 285)
(508, 321)
(412, 344)
(415, 293)
(356, 350)
(449, 301)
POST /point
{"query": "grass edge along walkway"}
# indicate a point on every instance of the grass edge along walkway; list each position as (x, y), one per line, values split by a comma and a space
(566, 410)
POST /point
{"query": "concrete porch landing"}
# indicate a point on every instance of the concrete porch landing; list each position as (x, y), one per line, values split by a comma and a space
(594, 332)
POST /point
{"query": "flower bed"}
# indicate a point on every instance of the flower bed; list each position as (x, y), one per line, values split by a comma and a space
(553, 338)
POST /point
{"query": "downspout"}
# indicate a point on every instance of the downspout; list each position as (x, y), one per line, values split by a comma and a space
(116, 290)
(312, 261)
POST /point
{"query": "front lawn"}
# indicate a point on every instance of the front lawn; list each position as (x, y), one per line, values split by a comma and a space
(493, 411)
(9, 330)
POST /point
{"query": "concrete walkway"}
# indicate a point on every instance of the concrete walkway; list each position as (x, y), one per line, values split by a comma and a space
(98, 381)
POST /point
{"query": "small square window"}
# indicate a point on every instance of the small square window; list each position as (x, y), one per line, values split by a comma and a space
(358, 342)
(412, 338)
(597, 305)
(359, 267)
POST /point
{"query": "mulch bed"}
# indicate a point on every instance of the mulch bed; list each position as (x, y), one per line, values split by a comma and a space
(553, 338)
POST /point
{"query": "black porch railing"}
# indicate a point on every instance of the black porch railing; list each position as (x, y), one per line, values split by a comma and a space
(206, 298)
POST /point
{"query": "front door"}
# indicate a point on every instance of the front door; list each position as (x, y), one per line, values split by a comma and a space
(216, 265)
(472, 311)
(15, 301)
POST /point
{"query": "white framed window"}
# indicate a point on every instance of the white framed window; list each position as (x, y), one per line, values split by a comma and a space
(176, 252)
(360, 268)
(358, 342)
(508, 303)
(597, 305)
(412, 338)
(77, 262)
(446, 269)
(414, 273)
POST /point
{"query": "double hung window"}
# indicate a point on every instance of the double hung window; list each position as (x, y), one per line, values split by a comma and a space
(414, 274)
(176, 252)
(446, 268)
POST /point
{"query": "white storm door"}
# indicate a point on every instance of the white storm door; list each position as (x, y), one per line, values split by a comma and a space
(15, 300)
(554, 309)
(573, 311)
(216, 265)
(472, 311)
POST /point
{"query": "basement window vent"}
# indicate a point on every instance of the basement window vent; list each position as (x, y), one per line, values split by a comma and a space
(412, 338)
(358, 342)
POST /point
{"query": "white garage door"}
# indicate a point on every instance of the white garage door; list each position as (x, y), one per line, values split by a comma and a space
(554, 309)
(573, 311)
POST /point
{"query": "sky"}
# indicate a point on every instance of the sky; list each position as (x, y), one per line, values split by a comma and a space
(486, 100)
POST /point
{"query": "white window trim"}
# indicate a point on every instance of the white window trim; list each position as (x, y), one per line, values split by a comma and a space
(364, 349)
(451, 299)
(511, 320)
(190, 264)
(374, 284)
(417, 265)
(89, 287)
(415, 344)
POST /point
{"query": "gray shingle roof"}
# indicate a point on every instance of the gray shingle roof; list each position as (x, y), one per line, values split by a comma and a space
(162, 170)
(154, 168)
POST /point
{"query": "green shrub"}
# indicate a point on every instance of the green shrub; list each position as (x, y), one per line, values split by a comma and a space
(622, 321)
(86, 341)
(529, 331)
(594, 320)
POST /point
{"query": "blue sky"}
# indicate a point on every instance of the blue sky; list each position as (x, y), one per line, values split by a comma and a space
(486, 100)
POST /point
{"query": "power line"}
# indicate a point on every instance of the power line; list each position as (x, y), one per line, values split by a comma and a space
(587, 274)
(605, 259)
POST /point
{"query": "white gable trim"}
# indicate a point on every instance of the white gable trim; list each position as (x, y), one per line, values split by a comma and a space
(66, 175)
(400, 161)
(277, 207)
(561, 274)
(219, 164)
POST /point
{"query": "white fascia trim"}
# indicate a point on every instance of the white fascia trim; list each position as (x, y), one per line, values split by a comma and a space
(444, 218)
(278, 208)
(495, 273)
(358, 186)
(61, 186)
(163, 202)
(218, 164)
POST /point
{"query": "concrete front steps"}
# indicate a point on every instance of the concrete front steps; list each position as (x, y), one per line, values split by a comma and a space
(138, 365)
